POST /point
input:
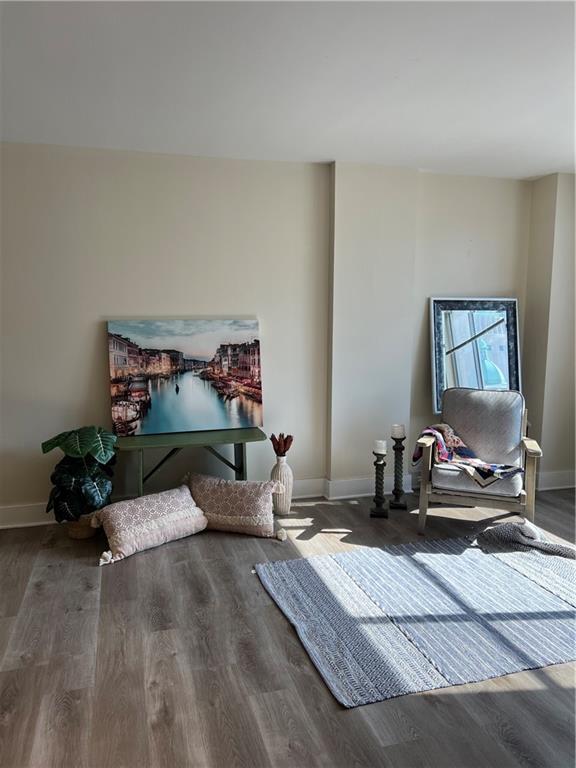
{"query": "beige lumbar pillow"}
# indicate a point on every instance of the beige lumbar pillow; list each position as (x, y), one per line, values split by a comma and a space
(137, 524)
(240, 506)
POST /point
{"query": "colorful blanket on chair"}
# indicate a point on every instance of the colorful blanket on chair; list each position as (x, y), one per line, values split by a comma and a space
(449, 447)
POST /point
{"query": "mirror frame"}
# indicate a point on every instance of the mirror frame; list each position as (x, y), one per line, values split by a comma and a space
(437, 306)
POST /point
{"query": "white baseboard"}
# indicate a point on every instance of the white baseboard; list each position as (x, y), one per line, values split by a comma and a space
(349, 488)
(25, 515)
(360, 486)
(364, 486)
(309, 489)
(548, 481)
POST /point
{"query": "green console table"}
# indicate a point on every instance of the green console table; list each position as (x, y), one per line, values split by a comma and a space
(176, 442)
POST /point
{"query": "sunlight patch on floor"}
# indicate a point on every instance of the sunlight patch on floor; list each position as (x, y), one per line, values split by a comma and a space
(309, 537)
(518, 681)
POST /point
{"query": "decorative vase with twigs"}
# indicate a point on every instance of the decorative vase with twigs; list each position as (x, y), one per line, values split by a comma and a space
(282, 471)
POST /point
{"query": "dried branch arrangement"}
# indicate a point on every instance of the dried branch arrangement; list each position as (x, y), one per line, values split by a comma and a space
(281, 444)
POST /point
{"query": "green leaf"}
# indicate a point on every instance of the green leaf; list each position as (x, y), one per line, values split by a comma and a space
(67, 505)
(54, 442)
(69, 472)
(103, 446)
(79, 442)
(97, 491)
(65, 481)
(85, 476)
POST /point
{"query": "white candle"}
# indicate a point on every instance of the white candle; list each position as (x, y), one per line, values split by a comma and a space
(398, 430)
(380, 447)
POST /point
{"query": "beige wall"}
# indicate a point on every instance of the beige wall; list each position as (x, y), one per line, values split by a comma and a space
(400, 237)
(88, 235)
(557, 430)
(337, 262)
(374, 225)
(537, 292)
(471, 241)
(549, 354)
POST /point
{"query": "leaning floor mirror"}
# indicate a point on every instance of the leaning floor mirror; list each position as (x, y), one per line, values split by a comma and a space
(474, 344)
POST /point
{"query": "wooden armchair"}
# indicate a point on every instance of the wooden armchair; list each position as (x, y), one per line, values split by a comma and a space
(493, 425)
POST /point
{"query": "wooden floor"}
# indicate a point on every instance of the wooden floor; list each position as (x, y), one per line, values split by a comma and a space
(177, 657)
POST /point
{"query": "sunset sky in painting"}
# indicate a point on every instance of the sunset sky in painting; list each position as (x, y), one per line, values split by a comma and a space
(195, 338)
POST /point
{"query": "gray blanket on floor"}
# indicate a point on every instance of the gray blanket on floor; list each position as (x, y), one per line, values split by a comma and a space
(526, 534)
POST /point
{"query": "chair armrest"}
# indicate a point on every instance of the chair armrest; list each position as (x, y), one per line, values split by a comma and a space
(531, 447)
(426, 443)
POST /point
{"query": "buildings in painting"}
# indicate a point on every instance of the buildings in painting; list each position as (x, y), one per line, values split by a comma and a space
(128, 360)
(176, 360)
(157, 362)
(249, 361)
(125, 357)
(194, 364)
(238, 360)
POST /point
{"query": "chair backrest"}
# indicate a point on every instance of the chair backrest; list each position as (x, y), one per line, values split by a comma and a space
(489, 422)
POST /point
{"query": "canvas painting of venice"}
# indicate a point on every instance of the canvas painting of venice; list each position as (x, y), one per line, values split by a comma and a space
(184, 375)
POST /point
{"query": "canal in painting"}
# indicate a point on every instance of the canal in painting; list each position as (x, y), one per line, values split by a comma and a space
(195, 406)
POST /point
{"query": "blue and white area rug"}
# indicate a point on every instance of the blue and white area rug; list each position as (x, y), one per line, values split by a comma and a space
(380, 623)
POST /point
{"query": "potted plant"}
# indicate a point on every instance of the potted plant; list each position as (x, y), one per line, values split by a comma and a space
(283, 472)
(83, 478)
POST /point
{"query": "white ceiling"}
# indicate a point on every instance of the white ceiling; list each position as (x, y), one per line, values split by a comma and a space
(469, 88)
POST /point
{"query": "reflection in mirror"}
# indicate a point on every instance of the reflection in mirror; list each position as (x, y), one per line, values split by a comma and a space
(474, 344)
(477, 349)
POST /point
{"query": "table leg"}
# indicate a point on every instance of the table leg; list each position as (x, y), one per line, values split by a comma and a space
(141, 472)
(162, 461)
(240, 460)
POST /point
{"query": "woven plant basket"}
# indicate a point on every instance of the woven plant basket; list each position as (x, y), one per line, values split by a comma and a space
(81, 528)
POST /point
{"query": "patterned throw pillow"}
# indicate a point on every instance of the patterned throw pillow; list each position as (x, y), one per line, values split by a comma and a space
(241, 506)
(148, 521)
